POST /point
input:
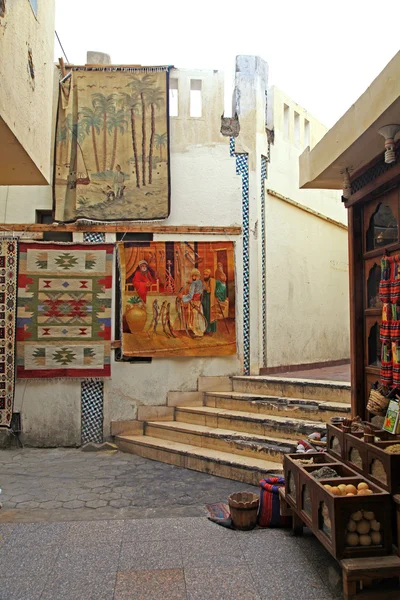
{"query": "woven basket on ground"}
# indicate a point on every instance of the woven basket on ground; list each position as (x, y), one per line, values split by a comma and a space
(377, 402)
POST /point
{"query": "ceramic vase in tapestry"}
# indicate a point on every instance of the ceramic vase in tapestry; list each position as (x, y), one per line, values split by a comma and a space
(135, 314)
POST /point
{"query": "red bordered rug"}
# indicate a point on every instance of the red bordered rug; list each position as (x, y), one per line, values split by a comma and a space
(64, 310)
(8, 302)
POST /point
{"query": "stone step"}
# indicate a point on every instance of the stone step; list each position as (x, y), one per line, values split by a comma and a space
(248, 422)
(222, 464)
(223, 440)
(309, 389)
(299, 408)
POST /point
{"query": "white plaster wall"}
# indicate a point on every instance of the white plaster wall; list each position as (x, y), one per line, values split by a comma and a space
(283, 171)
(307, 287)
(283, 177)
(27, 110)
(50, 412)
(205, 191)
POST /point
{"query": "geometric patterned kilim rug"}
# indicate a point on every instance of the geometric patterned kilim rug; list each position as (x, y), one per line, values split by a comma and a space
(64, 310)
(8, 303)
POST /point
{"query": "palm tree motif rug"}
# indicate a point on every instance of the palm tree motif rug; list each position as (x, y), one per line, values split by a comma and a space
(8, 303)
(177, 299)
(112, 145)
(64, 310)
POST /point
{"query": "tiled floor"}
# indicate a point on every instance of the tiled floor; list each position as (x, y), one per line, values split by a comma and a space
(336, 373)
(186, 558)
(152, 540)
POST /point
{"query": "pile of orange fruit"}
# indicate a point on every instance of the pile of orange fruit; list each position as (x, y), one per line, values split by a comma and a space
(342, 489)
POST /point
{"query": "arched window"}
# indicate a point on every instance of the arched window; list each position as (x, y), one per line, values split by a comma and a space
(374, 278)
(383, 228)
(374, 346)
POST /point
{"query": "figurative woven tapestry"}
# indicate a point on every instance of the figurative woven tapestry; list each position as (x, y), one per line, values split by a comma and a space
(112, 145)
(8, 304)
(389, 293)
(64, 310)
(177, 298)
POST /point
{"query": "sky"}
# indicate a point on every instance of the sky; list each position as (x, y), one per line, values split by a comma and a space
(321, 54)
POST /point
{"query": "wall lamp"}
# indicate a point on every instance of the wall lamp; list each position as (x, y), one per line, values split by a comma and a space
(389, 132)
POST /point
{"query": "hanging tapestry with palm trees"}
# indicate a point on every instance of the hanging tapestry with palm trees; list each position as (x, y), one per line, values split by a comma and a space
(112, 145)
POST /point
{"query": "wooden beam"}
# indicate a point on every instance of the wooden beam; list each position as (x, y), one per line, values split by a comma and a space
(128, 228)
(358, 401)
(375, 188)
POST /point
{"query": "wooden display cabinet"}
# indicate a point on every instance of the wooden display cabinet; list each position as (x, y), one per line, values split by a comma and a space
(328, 515)
(369, 460)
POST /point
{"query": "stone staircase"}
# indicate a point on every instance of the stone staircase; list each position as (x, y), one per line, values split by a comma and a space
(237, 427)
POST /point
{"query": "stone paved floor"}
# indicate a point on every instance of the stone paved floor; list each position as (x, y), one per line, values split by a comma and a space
(64, 484)
(335, 373)
(72, 552)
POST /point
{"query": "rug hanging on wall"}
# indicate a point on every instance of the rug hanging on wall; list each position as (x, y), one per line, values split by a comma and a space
(177, 298)
(64, 310)
(112, 145)
(8, 303)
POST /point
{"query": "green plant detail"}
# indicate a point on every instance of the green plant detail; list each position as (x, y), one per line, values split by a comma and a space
(135, 300)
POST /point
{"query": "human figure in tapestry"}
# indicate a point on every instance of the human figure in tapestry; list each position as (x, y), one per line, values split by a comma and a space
(196, 321)
(142, 279)
(220, 286)
(119, 179)
(209, 301)
(172, 305)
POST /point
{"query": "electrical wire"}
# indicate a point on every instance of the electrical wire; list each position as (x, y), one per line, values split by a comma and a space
(61, 46)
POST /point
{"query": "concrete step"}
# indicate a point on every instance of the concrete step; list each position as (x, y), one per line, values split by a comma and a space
(309, 389)
(299, 408)
(248, 422)
(224, 440)
(223, 464)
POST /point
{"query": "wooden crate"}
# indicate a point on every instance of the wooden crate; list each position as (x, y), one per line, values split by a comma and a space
(328, 515)
(383, 468)
(304, 501)
(293, 468)
(335, 441)
(355, 452)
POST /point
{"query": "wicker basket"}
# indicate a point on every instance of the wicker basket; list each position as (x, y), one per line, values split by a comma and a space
(244, 509)
(377, 402)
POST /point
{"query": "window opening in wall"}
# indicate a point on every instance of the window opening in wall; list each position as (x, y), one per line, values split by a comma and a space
(45, 217)
(286, 120)
(306, 132)
(296, 128)
(383, 229)
(127, 237)
(173, 98)
(195, 98)
(34, 4)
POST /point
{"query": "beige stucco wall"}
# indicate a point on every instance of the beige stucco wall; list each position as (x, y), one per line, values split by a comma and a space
(283, 173)
(307, 287)
(307, 259)
(26, 102)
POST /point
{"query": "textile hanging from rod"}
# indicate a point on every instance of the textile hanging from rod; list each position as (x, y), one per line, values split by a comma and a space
(112, 145)
(64, 310)
(8, 304)
(389, 293)
(177, 299)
